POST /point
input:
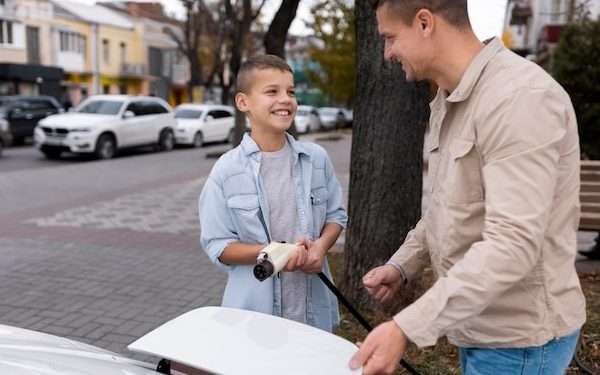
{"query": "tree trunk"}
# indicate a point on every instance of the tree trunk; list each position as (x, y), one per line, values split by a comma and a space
(278, 29)
(390, 117)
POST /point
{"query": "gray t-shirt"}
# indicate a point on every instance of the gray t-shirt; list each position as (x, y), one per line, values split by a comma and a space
(276, 173)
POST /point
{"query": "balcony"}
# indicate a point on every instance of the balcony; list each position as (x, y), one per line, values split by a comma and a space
(133, 70)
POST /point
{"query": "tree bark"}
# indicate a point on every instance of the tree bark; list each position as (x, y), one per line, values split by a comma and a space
(390, 117)
(276, 35)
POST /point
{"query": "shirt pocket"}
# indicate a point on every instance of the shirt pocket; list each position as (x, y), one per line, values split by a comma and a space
(245, 211)
(318, 201)
(464, 179)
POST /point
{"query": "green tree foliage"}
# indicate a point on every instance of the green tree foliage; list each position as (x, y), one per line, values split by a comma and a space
(336, 58)
(576, 66)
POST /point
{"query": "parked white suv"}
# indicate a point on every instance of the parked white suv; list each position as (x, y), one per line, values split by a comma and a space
(103, 124)
(201, 123)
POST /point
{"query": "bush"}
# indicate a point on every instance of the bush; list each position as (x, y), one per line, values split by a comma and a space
(577, 67)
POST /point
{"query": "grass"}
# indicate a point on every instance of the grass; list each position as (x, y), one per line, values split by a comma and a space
(442, 359)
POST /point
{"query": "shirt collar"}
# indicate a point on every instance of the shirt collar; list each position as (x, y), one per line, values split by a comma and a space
(471, 76)
(249, 146)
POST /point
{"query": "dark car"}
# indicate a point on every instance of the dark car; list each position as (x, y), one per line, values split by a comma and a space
(24, 112)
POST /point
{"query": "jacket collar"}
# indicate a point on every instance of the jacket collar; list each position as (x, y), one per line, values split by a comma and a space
(471, 76)
(249, 146)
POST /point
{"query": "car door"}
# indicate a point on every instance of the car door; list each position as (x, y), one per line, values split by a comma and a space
(159, 117)
(226, 122)
(19, 117)
(131, 129)
(210, 129)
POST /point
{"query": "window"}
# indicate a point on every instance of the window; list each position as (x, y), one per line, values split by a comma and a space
(219, 113)
(71, 42)
(105, 50)
(101, 107)
(123, 51)
(153, 108)
(6, 32)
(188, 113)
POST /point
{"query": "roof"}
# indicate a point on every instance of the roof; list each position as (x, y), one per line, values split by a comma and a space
(95, 14)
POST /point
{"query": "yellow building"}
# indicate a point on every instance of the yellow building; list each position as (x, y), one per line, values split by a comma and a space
(99, 49)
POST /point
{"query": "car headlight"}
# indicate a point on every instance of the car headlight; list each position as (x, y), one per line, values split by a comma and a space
(80, 130)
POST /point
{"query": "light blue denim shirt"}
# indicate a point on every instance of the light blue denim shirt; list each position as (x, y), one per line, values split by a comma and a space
(229, 207)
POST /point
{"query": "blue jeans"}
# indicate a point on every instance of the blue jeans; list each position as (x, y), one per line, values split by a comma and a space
(552, 358)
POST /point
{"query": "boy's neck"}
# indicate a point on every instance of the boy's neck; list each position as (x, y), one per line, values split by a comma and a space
(268, 142)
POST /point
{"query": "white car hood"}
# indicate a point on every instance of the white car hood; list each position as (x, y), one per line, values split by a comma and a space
(24, 352)
(77, 120)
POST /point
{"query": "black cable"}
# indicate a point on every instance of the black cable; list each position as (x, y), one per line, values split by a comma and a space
(360, 318)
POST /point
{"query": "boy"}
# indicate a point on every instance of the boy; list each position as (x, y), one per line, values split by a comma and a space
(273, 188)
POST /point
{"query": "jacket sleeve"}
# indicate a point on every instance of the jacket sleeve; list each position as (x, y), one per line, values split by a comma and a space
(413, 255)
(216, 226)
(520, 144)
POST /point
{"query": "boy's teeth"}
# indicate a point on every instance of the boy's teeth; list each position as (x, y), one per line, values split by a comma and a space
(282, 113)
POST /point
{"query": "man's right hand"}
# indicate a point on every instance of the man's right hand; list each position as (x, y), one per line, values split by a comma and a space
(383, 282)
(297, 259)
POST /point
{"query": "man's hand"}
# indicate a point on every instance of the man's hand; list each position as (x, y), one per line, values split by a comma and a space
(316, 255)
(382, 350)
(297, 259)
(383, 282)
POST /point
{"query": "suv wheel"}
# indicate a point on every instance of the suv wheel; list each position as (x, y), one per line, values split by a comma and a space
(198, 140)
(166, 142)
(105, 147)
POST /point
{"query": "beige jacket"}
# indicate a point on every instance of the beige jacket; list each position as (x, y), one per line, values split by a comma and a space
(502, 220)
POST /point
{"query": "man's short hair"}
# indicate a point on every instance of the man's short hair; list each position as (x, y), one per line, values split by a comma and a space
(258, 62)
(455, 12)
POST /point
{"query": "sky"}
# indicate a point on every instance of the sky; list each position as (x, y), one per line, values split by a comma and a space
(487, 16)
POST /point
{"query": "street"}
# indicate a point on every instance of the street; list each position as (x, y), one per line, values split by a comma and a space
(105, 251)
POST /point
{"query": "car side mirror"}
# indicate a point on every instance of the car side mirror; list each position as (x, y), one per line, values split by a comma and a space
(208, 118)
(128, 114)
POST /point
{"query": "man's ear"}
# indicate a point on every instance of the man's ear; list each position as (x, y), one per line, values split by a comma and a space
(425, 21)
(241, 102)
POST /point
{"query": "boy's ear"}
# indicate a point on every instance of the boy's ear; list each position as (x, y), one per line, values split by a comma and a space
(241, 102)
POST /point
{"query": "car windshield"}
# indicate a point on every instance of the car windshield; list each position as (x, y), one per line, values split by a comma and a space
(302, 112)
(329, 111)
(101, 107)
(188, 113)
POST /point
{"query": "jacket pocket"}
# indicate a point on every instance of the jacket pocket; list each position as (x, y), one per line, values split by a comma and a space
(464, 179)
(245, 211)
(318, 200)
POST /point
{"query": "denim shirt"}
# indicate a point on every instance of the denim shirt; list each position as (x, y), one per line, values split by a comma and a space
(229, 208)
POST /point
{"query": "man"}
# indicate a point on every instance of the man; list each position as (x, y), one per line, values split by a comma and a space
(500, 229)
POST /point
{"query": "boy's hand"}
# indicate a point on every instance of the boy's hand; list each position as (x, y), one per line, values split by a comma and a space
(316, 255)
(297, 259)
(383, 282)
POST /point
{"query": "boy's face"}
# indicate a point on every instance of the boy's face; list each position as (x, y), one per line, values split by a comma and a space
(270, 103)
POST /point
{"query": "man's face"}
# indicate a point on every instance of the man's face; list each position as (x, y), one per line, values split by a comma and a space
(403, 43)
(271, 102)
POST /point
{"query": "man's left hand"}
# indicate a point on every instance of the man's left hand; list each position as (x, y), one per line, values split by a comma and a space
(382, 350)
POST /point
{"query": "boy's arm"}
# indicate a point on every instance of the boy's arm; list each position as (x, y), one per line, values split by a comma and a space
(217, 230)
(240, 253)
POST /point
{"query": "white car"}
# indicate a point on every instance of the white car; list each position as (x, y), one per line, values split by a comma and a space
(331, 117)
(201, 123)
(202, 339)
(103, 124)
(307, 119)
